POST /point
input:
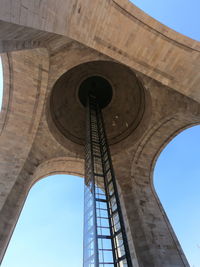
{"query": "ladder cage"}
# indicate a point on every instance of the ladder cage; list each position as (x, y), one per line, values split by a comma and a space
(105, 241)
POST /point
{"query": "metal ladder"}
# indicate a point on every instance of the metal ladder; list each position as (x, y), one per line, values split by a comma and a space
(105, 241)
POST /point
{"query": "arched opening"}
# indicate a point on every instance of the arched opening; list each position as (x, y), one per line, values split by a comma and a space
(177, 183)
(49, 231)
(1, 84)
(173, 14)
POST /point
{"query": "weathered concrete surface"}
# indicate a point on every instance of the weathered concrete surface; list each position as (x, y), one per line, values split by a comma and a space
(151, 231)
(32, 147)
(25, 81)
(115, 28)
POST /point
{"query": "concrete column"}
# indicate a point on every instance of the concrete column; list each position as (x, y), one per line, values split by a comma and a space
(155, 242)
(15, 197)
(11, 209)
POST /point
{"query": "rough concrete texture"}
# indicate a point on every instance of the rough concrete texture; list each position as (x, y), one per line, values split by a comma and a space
(59, 36)
(116, 28)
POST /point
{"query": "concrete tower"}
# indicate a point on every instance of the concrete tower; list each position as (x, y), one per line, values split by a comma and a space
(48, 48)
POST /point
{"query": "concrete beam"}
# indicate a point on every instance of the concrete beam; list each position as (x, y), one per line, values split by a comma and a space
(116, 28)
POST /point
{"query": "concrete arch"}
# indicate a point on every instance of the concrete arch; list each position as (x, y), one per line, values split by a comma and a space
(15, 201)
(61, 165)
(151, 221)
(157, 138)
(173, 186)
(22, 108)
(154, 192)
(165, 144)
(146, 45)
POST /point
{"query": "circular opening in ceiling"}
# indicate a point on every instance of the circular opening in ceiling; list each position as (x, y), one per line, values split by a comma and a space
(97, 86)
(118, 90)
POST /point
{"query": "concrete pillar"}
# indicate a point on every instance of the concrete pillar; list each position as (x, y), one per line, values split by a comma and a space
(155, 242)
(11, 209)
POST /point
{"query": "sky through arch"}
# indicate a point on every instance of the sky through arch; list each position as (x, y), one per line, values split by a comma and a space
(49, 232)
(177, 183)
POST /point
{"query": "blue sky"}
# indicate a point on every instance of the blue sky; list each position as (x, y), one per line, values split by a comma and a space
(49, 231)
(180, 15)
(177, 182)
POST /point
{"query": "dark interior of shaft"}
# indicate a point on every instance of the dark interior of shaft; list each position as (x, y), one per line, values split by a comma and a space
(97, 86)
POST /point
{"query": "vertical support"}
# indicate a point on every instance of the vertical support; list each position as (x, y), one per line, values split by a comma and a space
(105, 242)
(90, 245)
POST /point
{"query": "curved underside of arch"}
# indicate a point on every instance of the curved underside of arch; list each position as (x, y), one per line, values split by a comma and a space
(145, 216)
(11, 209)
(149, 210)
(25, 81)
(61, 165)
(176, 185)
(146, 45)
